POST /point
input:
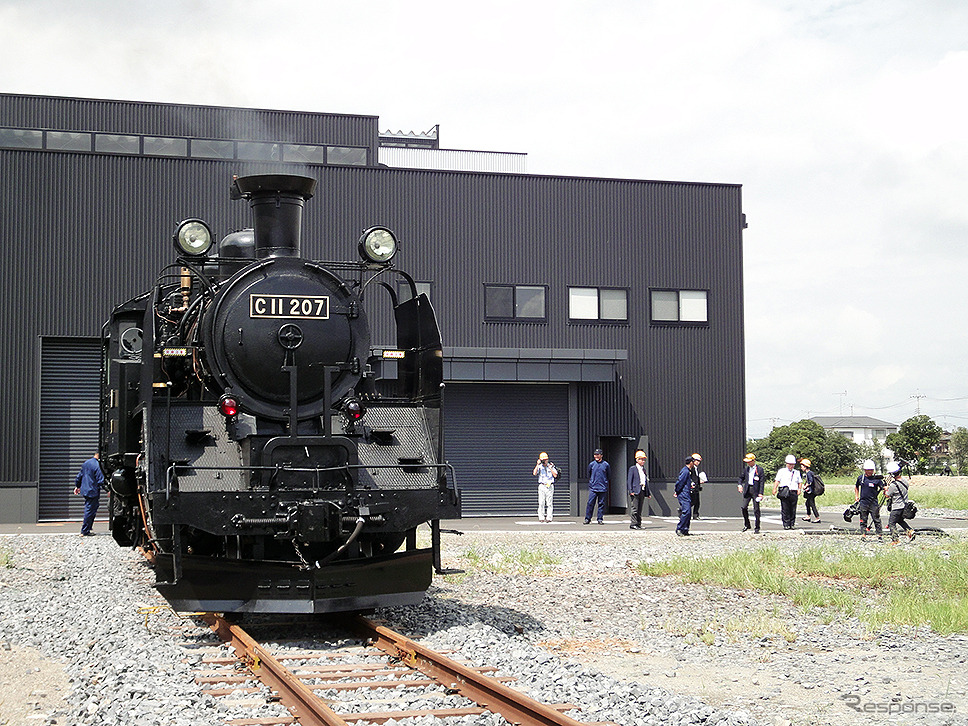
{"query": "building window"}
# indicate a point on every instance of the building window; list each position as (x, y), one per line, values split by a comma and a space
(306, 153)
(257, 151)
(598, 303)
(21, 139)
(403, 290)
(345, 155)
(163, 146)
(679, 306)
(515, 302)
(68, 141)
(213, 149)
(117, 144)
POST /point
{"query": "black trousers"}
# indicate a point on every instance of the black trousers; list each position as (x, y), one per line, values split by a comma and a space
(747, 498)
(636, 502)
(788, 510)
(874, 510)
(695, 502)
(811, 501)
(897, 520)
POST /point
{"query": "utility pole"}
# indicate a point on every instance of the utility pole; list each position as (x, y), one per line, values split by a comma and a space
(842, 397)
(917, 407)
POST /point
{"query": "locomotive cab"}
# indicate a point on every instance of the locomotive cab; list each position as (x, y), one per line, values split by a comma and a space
(255, 457)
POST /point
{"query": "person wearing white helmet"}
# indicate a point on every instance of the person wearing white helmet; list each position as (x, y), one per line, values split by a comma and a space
(866, 490)
(897, 496)
(786, 488)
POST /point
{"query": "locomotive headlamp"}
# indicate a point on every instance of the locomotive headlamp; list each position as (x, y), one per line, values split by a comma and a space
(378, 244)
(228, 406)
(193, 238)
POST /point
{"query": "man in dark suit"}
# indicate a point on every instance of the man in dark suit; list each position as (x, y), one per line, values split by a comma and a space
(638, 488)
(751, 487)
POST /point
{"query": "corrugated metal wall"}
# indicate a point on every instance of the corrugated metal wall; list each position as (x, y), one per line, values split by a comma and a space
(400, 157)
(134, 117)
(81, 232)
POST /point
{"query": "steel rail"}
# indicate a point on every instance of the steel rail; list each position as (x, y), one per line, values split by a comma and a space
(293, 693)
(489, 693)
(514, 706)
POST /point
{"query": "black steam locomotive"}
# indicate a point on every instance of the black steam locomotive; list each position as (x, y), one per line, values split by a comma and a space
(260, 451)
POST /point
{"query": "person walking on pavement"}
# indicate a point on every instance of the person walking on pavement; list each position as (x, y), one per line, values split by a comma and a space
(897, 497)
(88, 483)
(684, 495)
(546, 472)
(867, 488)
(638, 488)
(599, 475)
(751, 483)
(786, 488)
(809, 493)
(698, 479)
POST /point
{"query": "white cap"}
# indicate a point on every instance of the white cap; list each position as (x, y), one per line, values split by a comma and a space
(868, 464)
(791, 459)
(894, 468)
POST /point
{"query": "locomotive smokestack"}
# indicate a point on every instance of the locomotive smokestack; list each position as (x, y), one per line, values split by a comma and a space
(277, 203)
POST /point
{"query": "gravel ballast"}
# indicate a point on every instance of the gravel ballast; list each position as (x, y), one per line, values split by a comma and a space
(581, 627)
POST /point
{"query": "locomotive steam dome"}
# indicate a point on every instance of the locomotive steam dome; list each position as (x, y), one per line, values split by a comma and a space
(283, 311)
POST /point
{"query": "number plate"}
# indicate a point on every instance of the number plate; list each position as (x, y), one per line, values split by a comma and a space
(305, 307)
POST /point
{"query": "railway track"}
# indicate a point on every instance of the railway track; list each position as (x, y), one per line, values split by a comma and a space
(325, 688)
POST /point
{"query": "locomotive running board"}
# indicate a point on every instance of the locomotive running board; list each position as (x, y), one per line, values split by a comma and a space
(231, 586)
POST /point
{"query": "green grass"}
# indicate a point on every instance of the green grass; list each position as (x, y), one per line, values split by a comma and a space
(924, 584)
(6, 557)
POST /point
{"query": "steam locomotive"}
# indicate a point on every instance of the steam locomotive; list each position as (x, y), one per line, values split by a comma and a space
(261, 452)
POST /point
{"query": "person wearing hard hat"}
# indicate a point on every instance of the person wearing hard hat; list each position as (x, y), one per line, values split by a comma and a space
(750, 485)
(786, 488)
(897, 497)
(698, 478)
(866, 490)
(637, 484)
(684, 496)
(546, 472)
(809, 493)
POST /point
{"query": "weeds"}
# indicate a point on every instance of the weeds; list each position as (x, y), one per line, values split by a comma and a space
(6, 558)
(923, 585)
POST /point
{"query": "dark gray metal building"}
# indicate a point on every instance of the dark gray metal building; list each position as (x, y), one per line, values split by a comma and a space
(576, 312)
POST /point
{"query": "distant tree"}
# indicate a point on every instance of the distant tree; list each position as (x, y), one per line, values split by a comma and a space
(828, 451)
(915, 440)
(959, 447)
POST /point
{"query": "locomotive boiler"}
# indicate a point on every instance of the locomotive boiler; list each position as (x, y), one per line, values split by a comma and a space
(262, 451)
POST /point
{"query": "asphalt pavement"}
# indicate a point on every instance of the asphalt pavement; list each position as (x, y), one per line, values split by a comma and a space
(770, 522)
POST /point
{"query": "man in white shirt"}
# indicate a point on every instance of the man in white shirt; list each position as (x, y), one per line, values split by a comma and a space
(638, 488)
(786, 487)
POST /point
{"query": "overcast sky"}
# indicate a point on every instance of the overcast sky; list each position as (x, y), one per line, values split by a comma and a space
(845, 121)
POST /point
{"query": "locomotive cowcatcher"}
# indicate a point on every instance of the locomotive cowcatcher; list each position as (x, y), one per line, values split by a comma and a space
(260, 451)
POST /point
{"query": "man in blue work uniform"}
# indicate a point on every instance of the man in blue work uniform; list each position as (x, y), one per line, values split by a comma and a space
(684, 495)
(88, 483)
(599, 474)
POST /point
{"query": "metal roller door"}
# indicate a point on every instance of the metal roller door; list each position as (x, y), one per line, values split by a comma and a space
(70, 371)
(494, 432)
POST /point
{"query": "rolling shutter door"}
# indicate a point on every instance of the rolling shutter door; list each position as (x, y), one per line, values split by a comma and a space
(70, 371)
(494, 432)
